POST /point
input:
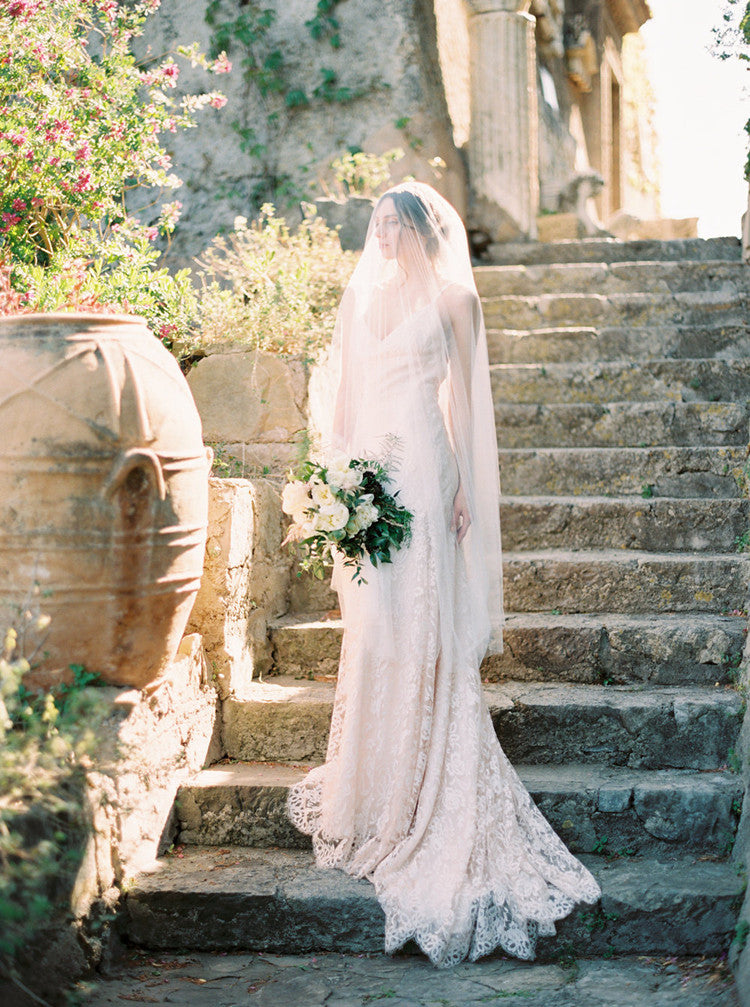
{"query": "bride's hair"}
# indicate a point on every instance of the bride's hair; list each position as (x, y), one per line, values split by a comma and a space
(414, 212)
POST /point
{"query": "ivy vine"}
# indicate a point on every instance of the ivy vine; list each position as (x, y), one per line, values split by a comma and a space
(265, 70)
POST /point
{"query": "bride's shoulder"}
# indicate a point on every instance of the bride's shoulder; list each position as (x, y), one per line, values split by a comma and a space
(457, 299)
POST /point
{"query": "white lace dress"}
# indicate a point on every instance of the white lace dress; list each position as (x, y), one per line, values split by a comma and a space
(416, 793)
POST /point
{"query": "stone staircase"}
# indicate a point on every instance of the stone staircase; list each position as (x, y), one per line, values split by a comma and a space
(621, 377)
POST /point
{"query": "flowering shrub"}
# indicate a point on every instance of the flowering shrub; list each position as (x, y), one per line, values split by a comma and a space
(272, 288)
(80, 125)
(45, 741)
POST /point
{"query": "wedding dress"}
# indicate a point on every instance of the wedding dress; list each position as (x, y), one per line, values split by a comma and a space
(416, 793)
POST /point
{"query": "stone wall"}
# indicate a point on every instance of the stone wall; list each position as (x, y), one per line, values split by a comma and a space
(388, 62)
(245, 581)
(740, 949)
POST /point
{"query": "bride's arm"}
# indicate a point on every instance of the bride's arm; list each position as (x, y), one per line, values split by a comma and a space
(463, 314)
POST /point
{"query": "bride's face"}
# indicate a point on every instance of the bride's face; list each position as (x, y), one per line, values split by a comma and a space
(387, 228)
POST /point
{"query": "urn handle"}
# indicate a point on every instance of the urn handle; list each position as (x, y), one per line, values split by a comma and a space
(136, 479)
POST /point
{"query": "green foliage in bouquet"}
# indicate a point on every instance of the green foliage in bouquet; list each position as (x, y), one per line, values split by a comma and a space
(345, 505)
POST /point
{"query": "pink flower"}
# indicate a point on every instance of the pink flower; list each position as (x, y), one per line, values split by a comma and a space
(19, 204)
(152, 233)
(83, 182)
(53, 162)
(9, 219)
(84, 151)
(170, 124)
(217, 101)
(37, 201)
(17, 139)
(221, 64)
(23, 8)
(170, 72)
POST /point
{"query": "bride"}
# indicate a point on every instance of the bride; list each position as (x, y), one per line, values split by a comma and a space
(416, 793)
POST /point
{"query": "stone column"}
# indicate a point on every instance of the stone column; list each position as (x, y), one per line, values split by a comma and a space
(503, 141)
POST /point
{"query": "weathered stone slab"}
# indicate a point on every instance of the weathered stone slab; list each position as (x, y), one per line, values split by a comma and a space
(408, 980)
(274, 900)
(614, 250)
(624, 581)
(307, 594)
(689, 728)
(305, 646)
(652, 524)
(622, 424)
(649, 729)
(674, 649)
(612, 278)
(619, 381)
(620, 812)
(511, 311)
(679, 472)
(597, 343)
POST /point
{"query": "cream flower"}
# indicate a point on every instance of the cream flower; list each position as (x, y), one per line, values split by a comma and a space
(321, 493)
(340, 474)
(332, 517)
(366, 514)
(295, 498)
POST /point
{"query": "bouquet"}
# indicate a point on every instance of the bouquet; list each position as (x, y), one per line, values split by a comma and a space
(343, 504)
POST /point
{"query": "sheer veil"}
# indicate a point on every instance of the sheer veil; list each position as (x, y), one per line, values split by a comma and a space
(414, 276)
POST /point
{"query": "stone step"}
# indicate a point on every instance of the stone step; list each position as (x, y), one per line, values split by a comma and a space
(702, 308)
(652, 524)
(614, 250)
(672, 649)
(606, 580)
(617, 381)
(623, 581)
(677, 472)
(287, 720)
(622, 424)
(237, 899)
(566, 344)
(612, 278)
(595, 809)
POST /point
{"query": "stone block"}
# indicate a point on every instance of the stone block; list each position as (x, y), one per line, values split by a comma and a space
(245, 582)
(557, 227)
(252, 398)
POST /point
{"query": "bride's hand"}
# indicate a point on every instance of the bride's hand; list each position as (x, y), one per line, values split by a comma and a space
(461, 519)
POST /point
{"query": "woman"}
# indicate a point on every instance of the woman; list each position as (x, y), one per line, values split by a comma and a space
(416, 793)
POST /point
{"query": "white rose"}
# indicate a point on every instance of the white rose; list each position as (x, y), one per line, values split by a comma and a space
(333, 517)
(295, 498)
(321, 493)
(367, 513)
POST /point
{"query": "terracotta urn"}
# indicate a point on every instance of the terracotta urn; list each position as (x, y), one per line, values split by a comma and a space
(103, 496)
